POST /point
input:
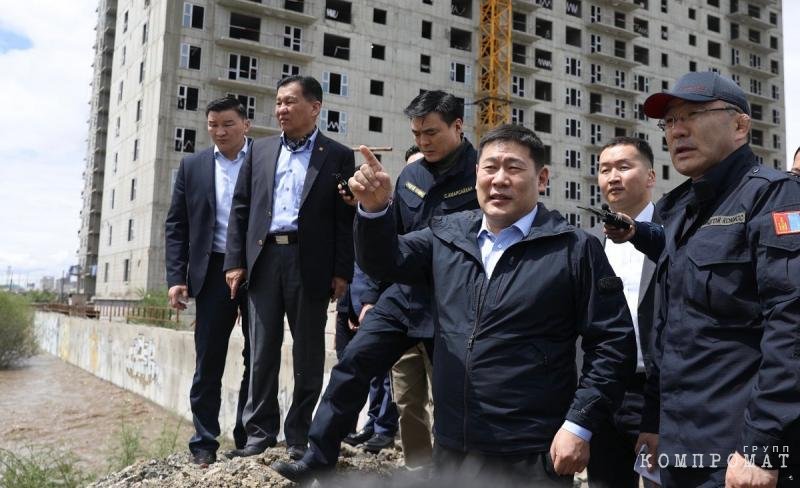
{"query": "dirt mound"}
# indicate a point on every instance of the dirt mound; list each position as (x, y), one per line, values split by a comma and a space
(177, 471)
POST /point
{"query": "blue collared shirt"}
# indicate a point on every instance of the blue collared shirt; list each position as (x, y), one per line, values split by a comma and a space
(290, 175)
(226, 172)
(493, 246)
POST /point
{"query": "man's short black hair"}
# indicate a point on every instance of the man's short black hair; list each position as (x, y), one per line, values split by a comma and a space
(226, 103)
(796, 153)
(443, 103)
(521, 135)
(312, 90)
(411, 151)
(640, 144)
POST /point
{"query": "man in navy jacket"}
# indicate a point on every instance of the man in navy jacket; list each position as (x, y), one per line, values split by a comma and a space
(514, 285)
(727, 342)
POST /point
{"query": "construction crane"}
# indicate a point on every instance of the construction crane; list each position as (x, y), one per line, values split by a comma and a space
(494, 66)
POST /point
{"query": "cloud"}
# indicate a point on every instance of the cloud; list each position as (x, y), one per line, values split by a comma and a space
(11, 40)
(45, 55)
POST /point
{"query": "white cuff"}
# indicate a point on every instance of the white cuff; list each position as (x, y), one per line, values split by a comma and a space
(372, 215)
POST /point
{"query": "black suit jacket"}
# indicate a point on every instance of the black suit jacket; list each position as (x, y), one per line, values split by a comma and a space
(190, 222)
(646, 308)
(325, 222)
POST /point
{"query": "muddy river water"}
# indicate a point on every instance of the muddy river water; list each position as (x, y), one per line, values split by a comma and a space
(47, 402)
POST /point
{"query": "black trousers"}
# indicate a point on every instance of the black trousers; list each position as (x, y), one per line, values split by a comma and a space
(612, 449)
(380, 342)
(382, 413)
(472, 469)
(275, 289)
(216, 316)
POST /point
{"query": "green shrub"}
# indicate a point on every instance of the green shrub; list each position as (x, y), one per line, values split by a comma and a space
(128, 448)
(40, 468)
(167, 441)
(153, 298)
(16, 329)
(42, 296)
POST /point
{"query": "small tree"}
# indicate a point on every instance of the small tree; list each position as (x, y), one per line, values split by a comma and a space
(16, 329)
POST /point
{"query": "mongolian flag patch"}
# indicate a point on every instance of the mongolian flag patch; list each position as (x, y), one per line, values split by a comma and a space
(786, 222)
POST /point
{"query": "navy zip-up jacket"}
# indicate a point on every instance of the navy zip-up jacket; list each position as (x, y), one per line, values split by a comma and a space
(727, 329)
(505, 377)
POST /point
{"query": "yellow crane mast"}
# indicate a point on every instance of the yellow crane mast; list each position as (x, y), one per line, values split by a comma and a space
(494, 65)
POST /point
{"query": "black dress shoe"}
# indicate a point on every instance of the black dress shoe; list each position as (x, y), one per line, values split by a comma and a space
(356, 438)
(378, 442)
(204, 458)
(246, 451)
(297, 471)
(296, 451)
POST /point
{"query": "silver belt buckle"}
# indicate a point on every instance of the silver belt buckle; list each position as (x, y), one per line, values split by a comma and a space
(282, 239)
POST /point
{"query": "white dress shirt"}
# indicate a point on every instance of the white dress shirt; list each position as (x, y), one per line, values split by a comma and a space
(627, 263)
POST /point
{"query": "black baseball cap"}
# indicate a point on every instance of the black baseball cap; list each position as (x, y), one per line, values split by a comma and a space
(697, 87)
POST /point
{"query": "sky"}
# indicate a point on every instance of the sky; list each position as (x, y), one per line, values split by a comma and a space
(45, 70)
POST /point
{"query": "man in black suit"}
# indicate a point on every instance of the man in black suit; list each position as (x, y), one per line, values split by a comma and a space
(291, 237)
(626, 178)
(196, 229)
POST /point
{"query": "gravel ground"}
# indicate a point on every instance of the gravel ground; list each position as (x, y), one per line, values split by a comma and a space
(177, 471)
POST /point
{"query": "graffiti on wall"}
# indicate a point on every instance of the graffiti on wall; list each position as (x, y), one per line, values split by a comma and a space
(140, 361)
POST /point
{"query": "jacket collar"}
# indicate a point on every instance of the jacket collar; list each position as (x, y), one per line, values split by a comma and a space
(462, 229)
(709, 186)
(465, 158)
(720, 177)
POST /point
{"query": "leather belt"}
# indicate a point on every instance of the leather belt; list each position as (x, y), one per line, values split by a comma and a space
(282, 239)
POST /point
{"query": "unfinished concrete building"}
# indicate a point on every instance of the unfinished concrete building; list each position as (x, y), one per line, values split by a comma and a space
(579, 72)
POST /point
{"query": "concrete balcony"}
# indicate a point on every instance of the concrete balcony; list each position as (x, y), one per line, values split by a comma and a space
(763, 124)
(525, 65)
(607, 57)
(282, 9)
(527, 100)
(608, 88)
(756, 97)
(746, 43)
(744, 18)
(526, 5)
(619, 5)
(620, 32)
(270, 44)
(606, 113)
(760, 71)
(525, 34)
(231, 78)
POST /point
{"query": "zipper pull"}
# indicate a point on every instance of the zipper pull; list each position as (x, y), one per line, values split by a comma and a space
(471, 342)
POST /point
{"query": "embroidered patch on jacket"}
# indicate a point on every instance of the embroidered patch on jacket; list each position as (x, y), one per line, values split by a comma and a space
(786, 222)
(459, 192)
(414, 188)
(725, 219)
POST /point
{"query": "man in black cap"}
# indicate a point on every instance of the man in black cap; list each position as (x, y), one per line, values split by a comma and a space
(726, 381)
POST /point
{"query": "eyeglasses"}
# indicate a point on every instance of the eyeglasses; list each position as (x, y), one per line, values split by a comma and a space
(669, 122)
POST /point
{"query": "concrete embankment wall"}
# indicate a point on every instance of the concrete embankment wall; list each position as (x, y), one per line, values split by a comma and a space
(155, 362)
